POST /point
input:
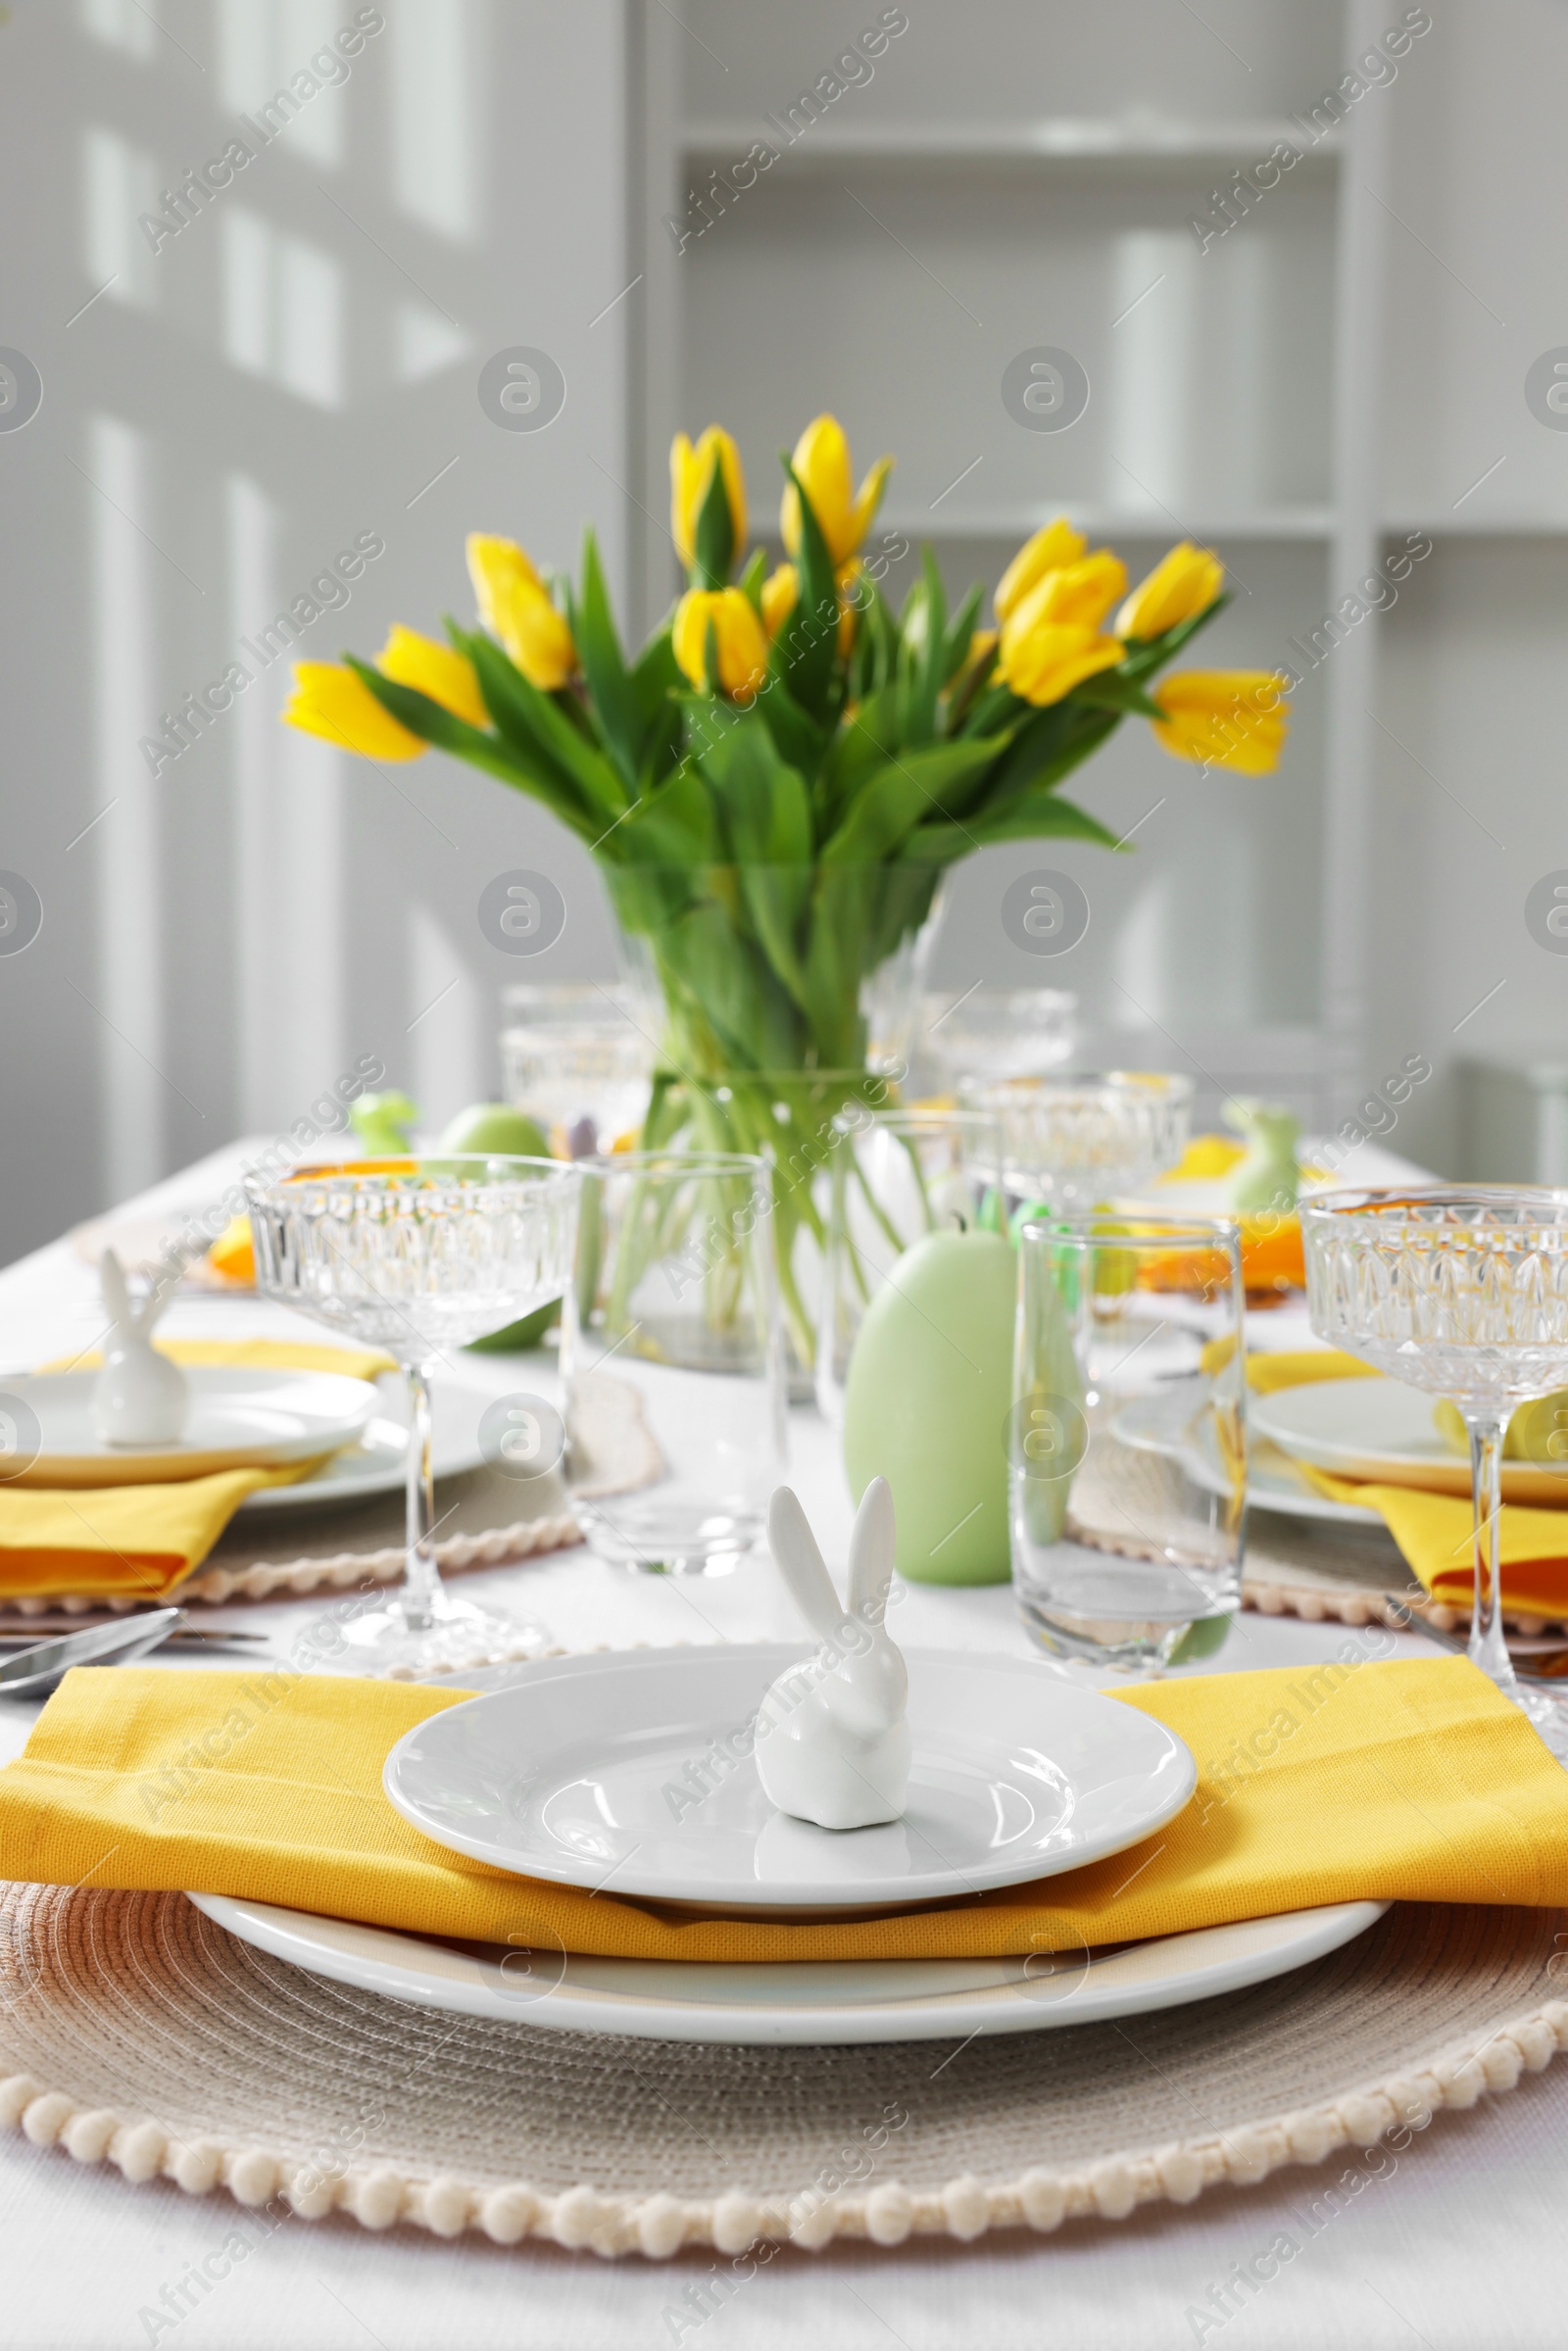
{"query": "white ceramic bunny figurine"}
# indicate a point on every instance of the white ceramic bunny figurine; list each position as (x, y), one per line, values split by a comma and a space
(139, 1398)
(832, 1743)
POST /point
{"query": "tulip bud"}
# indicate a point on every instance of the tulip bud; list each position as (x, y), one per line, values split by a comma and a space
(338, 705)
(708, 531)
(821, 462)
(781, 592)
(740, 649)
(446, 677)
(1050, 550)
(1043, 662)
(514, 606)
(1223, 718)
(1082, 592)
(1180, 587)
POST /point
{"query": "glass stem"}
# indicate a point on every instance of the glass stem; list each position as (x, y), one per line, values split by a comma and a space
(421, 1579)
(1488, 1648)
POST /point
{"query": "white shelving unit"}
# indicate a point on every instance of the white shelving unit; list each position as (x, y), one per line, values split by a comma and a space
(1035, 187)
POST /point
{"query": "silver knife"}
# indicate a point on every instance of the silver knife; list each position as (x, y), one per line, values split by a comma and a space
(34, 1672)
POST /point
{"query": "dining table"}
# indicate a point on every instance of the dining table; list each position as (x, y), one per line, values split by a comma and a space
(1460, 2240)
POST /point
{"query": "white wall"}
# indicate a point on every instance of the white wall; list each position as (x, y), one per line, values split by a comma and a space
(301, 361)
(1472, 779)
(292, 368)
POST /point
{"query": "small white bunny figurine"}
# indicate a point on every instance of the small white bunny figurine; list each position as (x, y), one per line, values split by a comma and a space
(139, 1398)
(832, 1743)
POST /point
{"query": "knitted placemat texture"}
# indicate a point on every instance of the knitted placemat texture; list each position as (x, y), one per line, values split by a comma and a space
(136, 2031)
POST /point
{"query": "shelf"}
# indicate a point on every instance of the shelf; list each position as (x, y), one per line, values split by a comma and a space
(1224, 145)
(1480, 525)
(1305, 522)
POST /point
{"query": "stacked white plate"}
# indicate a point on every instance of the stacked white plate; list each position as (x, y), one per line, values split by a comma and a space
(629, 1775)
(1370, 1429)
(247, 1417)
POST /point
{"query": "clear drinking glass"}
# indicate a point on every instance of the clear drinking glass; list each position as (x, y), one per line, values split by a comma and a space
(1077, 1142)
(580, 1059)
(1462, 1292)
(893, 1176)
(1123, 1556)
(420, 1255)
(993, 1032)
(672, 1360)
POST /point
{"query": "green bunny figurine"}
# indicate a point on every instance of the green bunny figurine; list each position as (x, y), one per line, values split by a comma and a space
(1269, 1177)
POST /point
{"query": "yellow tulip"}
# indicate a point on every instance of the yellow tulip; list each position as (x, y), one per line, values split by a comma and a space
(1051, 641)
(823, 463)
(1044, 663)
(1185, 584)
(1223, 718)
(514, 606)
(336, 704)
(448, 677)
(1050, 550)
(691, 476)
(781, 591)
(742, 648)
(1081, 593)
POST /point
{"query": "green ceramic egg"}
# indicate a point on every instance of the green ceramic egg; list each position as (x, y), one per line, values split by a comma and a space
(926, 1404)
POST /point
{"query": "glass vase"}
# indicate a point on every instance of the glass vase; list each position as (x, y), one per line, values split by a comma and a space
(790, 998)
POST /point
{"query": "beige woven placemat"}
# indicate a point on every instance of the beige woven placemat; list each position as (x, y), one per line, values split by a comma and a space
(136, 2031)
(1128, 1501)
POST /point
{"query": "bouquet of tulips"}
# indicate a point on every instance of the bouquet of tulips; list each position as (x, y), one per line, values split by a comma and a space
(775, 783)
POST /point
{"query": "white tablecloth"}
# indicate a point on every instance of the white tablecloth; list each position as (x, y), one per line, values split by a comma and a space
(1460, 2244)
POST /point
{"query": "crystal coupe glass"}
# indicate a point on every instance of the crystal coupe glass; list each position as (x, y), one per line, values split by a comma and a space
(1462, 1292)
(1075, 1142)
(420, 1255)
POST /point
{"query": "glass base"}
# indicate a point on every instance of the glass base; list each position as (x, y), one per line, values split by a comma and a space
(669, 1541)
(454, 1633)
(1121, 1645)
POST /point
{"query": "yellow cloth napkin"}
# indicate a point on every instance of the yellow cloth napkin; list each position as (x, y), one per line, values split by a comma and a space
(1267, 1374)
(131, 1540)
(1434, 1531)
(1413, 1780)
(139, 1540)
(253, 1354)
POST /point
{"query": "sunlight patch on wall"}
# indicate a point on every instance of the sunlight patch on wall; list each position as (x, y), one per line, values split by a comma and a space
(120, 25)
(263, 44)
(423, 342)
(127, 979)
(120, 184)
(282, 309)
(435, 117)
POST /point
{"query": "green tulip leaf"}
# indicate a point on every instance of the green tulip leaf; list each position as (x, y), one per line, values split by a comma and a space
(714, 536)
(612, 696)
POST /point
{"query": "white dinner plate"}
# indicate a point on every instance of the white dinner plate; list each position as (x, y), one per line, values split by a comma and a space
(1173, 1423)
(591, 1770)
(240, 1417)
(1382, 1430)
(860, 2000)
(378, 1463)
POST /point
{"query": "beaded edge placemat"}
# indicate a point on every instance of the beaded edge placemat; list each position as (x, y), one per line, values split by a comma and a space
(137, 2033)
